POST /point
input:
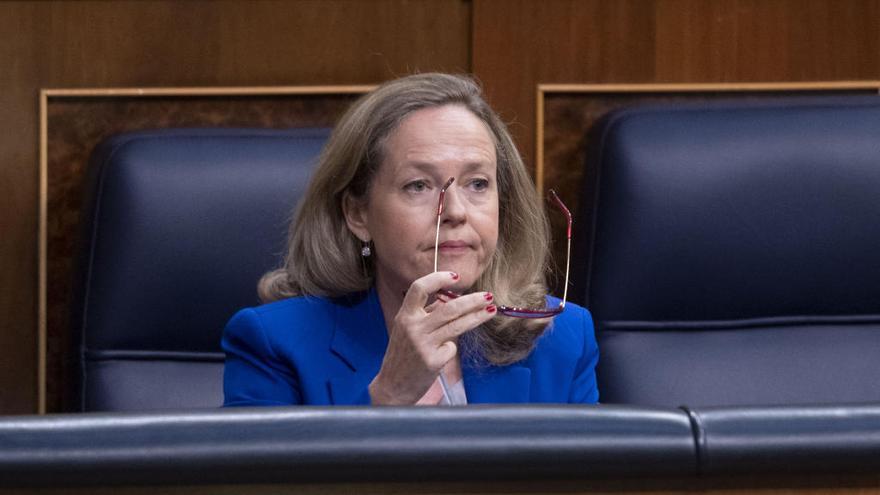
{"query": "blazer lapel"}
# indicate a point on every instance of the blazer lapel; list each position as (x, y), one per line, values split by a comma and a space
(499, 385)
(359, 340)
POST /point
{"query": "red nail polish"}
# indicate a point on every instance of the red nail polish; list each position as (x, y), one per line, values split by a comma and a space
(454, 276)
(491, 308)
(489, 296)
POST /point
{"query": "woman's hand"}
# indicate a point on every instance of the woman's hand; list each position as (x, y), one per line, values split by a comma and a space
(422, 338)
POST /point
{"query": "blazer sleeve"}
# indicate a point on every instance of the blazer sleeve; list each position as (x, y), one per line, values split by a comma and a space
(254, 375)
(584, 389)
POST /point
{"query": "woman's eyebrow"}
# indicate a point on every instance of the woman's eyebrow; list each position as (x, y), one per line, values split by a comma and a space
(473, 166)
(429, 167)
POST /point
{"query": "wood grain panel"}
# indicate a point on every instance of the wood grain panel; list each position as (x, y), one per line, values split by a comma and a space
(170, 43)
(766, 40)
(18, 210)
(520, 44)
(748, 484)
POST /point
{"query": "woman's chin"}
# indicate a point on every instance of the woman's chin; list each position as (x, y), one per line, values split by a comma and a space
(468, 277)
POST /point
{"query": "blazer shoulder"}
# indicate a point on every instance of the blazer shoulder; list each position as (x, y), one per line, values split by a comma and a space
(574, 315)
(572, 329)
(287, 321)
(310, 307)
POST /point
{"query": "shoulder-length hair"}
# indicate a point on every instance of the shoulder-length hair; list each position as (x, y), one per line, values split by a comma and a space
(323, 256)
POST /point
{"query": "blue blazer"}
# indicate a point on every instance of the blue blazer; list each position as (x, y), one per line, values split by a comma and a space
(319, 351)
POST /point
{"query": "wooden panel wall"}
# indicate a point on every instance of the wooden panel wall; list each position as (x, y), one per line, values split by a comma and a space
(672, 41)
(170, 43)
(511, 45)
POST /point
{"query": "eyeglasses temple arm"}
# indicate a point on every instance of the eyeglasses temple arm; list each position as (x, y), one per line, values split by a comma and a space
(440, 212)
(567, 212)
(436, 243)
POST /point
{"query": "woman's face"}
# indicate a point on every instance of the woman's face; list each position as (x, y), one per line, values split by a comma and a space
(400, 214)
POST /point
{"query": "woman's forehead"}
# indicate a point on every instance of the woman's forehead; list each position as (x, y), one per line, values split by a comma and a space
(442, 135)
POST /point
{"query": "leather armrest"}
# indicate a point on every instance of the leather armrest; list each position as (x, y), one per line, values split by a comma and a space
(339, 444)
(788, 439)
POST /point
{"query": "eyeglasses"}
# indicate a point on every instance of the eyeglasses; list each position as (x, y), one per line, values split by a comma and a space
(511, 311)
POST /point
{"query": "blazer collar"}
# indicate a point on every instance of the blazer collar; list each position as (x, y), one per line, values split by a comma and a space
(360, 336)
(359, 340)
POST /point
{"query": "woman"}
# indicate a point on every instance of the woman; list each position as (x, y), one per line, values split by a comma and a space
(390, 291)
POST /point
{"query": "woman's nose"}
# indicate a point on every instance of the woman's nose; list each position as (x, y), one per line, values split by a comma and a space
(454, 208)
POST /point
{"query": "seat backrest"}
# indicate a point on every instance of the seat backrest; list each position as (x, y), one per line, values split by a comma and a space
(736, 252)
(179, 225)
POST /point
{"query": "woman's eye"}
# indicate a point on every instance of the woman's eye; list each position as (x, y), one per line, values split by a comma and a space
(480, 184)
(416, 186)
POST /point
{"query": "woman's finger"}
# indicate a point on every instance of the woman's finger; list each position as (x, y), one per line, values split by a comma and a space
(463, 324)
(455, 308)
(419, 291)
(433, 306)
(446, 352)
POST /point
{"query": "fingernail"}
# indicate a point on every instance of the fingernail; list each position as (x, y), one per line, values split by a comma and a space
(491, 308)
(454, 276)
(489, 296)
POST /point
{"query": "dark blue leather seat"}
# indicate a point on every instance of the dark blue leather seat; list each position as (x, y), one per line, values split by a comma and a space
(736, 252)
(178, 227)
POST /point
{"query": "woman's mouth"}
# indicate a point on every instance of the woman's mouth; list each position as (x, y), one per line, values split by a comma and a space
(453, 247)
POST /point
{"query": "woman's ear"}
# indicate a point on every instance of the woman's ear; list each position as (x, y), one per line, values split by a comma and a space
(355, 211)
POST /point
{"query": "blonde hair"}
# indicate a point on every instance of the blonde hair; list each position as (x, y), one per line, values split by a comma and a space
(323, 256)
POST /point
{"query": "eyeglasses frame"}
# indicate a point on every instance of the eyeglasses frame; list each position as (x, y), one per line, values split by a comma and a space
(512, 311)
